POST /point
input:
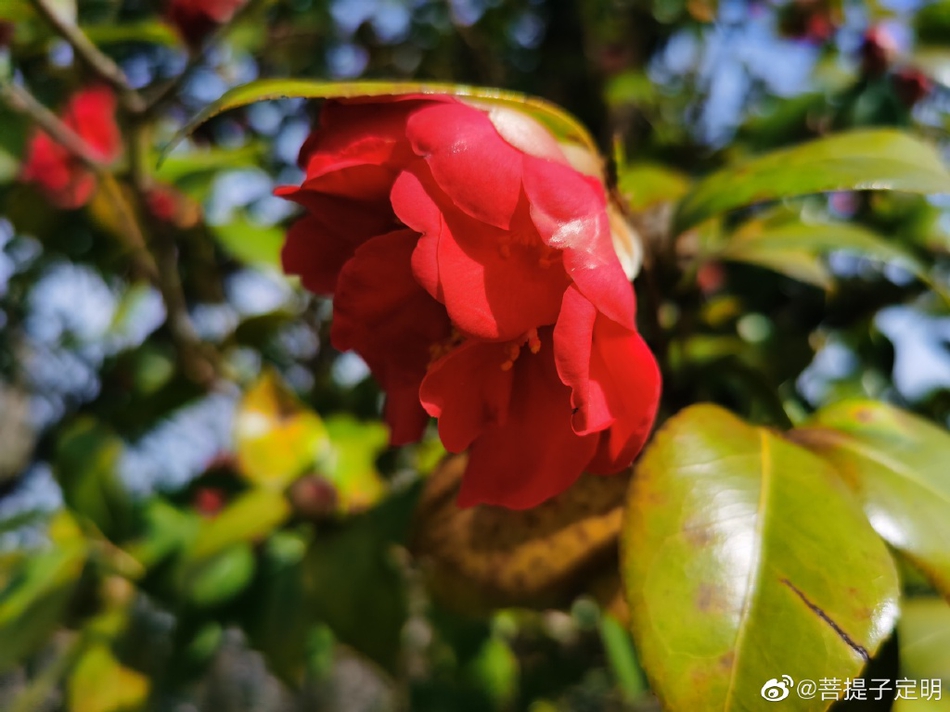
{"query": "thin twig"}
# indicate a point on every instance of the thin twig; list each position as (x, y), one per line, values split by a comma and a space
(100, 63)
(22, 101)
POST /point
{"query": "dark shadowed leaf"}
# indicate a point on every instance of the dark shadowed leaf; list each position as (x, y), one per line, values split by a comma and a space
(735, 545)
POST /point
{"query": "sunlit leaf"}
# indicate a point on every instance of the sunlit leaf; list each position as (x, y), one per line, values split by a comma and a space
(924, 637)
(896, 462)
(561, 123)
(643, 185)
(250, 518)
(152, 32)
(250, 243)
(100, 683)
(277, 438)
(735, 543)
(857, 160)
(351, 465)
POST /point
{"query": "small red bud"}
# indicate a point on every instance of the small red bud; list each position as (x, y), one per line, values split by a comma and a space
(877, 51)
(314, 497)
(911, 85)
(208, 501)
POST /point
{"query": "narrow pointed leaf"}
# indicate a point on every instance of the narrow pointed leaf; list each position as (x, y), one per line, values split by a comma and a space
(897, 464)
(561, 123)
(880, 159)
(745, 559)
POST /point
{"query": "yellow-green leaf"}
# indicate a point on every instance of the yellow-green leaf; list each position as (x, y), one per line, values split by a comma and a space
(879, 159)
(560, 122)
(744, 559)
(897, 463)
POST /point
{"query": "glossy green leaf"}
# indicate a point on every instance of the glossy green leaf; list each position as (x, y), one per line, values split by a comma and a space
(561, 123)
(745, 559)
(857, 160)
(220, 577)
(924, 637)
(897, 464)
(790, 246)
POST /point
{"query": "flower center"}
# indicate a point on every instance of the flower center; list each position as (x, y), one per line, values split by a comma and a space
(513, 348)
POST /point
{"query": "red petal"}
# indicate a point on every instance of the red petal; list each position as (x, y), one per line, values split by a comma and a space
(468, 391)
(569, 210)
(479, 171)
(315, 254)
(91, 114)
(535, 455)
(416, 209)
(629, 376)
(573, 342)
(380, 312)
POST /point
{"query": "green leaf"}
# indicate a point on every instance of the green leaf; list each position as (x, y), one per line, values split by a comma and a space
(250, 243)
(86, 458)
(34, 600)
(150, 31)
(100, 683)
(790, 246)
(219, 578)
(561, 123)
(897, 464)
(857, 160)
(248, 519)
(924, 637)
(351, 465)
(643, 185)
(745, 559)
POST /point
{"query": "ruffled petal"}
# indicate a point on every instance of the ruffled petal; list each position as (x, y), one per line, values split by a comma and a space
(535, 455)
(477, 169)
(628, 375)
(380, 312)
(315, 254)
(495, 284)
(468, 390)
(573, 345)
(569, 211)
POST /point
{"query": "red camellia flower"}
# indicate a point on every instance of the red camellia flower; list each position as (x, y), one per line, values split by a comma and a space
(472, 265)
(63, 177)
(196, 18)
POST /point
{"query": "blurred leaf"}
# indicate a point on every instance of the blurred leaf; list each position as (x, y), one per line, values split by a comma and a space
(100, 683)
(494, 671)
(353, 583)
(87, 456)
(34, 599)
(924, 636)
(250, 243)
(724, 535)
(644, 185)
(561, 123)
(789, 246)
(351, 466)
(482, 558)
(218, 578)
(150, 31)
(185, 165)
(277, 438)
(856, 160)
(897, 464)
(167, 530)
(622, 658)
(932, 23)
(250, 518)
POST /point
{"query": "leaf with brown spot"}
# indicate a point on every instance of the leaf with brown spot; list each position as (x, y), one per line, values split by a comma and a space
(487, 557)
(760, 563)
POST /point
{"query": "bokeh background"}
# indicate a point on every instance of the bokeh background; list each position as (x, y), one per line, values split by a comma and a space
(142, 562)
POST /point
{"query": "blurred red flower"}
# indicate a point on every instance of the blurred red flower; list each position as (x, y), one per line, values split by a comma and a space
(473, 268)
(62, 176)
(196, 18)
